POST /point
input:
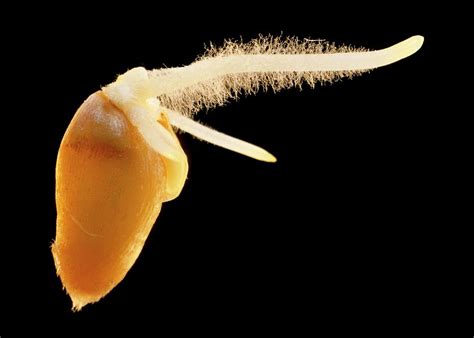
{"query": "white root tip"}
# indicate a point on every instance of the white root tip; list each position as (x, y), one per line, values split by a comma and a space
(220, 139)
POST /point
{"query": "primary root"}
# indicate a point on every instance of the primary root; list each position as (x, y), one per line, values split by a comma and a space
(239, 68)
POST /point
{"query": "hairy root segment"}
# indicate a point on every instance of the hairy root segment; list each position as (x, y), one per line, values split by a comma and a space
(217, 91)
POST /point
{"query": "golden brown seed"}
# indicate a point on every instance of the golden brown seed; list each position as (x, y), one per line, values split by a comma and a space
(110, 186)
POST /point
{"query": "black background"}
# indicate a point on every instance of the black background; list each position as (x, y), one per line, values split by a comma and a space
(329, 235)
